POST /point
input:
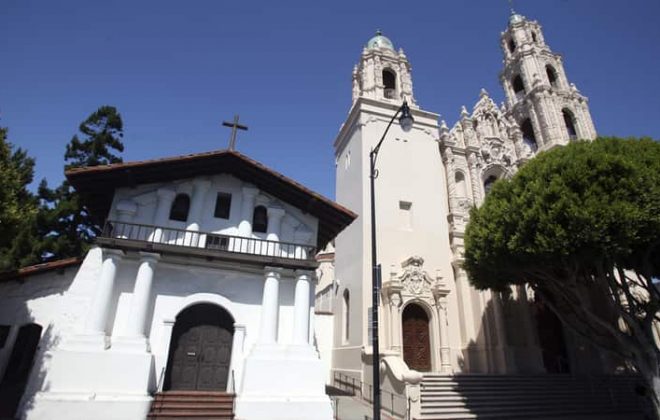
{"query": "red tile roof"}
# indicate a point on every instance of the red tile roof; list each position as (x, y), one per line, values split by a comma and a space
(97, 184)
(24, 272)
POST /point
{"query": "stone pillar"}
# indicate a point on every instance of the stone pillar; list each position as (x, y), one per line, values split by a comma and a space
(141, 300)
(274, 226)
(200, 188)
(97, 317)
(165, 199)
(440, 292)
(500, 333)
(270, 306)
(247, 209)
(475, 179)
(301, 308)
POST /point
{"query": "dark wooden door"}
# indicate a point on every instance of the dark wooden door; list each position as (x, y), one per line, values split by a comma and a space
(18, 369)
(200, 350)
(416, 340)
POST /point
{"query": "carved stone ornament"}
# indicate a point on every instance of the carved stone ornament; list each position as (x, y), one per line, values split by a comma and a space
(494, 150)
(414, 279)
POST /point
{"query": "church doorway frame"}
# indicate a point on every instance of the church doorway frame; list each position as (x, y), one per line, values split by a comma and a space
(237, 355)
(200, 349)
(433, 343)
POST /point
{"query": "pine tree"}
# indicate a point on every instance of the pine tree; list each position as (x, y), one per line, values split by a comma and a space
(18, 207)
(65, 224)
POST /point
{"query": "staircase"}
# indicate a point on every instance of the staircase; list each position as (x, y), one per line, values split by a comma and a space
(529, 397)
(193, 405)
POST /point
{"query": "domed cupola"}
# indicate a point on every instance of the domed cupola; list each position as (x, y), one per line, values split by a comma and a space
(515, 18)
(380, 41)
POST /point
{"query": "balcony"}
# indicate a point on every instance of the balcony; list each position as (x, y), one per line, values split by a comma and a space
(206, 245)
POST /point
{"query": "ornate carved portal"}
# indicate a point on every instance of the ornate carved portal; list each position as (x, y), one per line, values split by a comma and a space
(416, 338)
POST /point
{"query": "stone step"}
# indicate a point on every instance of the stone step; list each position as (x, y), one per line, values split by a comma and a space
(197, 405)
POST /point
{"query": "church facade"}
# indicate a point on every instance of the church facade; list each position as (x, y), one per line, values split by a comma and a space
(431, 319)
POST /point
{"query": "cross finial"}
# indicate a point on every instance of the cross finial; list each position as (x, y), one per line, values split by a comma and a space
(234, 126)
(513, 12)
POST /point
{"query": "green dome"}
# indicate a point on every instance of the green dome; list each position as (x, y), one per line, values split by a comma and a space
(515, 18)
(380, 41)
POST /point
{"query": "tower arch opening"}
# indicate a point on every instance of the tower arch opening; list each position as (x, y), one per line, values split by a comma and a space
(488, 183)
(346, 312)
(389, 83)
(534, 39)
(569, 122)
(529, 138)
(511, 44)
(461, 187)
(552, 75)
(260, 219)
(518, 87)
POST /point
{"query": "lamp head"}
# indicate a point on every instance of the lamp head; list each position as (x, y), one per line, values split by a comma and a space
(406, 119)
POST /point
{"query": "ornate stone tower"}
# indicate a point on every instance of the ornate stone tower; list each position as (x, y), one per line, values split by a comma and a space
(548, 109)
(411, 213)
(383, 73)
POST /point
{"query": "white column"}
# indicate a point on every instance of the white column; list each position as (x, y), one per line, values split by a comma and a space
(200, 188)
(270, 306)
(126, 210)
(97, 317)
(247, 208)
(301, 308)
(236, 363)
(274, 227)
(165, 199)
(444, 335)
(141, 300)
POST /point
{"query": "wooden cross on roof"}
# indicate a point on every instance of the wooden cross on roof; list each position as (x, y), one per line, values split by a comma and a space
(234, 126)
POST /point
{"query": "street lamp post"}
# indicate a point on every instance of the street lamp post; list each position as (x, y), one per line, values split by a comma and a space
(406, 121)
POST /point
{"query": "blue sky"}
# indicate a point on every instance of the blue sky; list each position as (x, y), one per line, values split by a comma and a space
(176, 69)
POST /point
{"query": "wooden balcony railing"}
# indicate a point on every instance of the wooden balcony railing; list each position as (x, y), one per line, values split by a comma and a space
(206, 240)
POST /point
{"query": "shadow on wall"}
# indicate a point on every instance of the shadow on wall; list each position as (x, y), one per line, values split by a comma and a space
(29, 345)
(520, 336)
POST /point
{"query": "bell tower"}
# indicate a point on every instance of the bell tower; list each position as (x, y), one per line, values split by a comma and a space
(548, 108)
(383, 73)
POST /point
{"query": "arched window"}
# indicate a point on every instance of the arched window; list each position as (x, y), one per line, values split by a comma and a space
(346, 320)
(529, 138)
(518, 87)
(180, 208)
(389, 81)
(512, 45)
(552, 75)
(488, 183)
(569, 121)
(260, 219)
(461, 188)
(533, 36)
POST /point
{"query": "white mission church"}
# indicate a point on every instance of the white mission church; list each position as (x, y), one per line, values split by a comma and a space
(205, 296)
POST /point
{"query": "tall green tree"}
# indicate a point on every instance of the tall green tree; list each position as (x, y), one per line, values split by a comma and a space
(580, 224)
(18, 207)
(65, 224)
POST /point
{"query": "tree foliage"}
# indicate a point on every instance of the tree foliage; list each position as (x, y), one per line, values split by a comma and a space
(581, 225)
(65, 224)
(18, 207)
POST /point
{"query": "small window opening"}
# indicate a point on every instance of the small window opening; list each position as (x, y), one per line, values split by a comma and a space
(518, 87)
(180, 208)
(529, 138)
(406, 214)
(534, 36)
(552, 75)
(461, 188)
(569, 121)
(222, 206)
(512, 45)
(488, 183)
(346, 315)
(260, 219)
(389, 81)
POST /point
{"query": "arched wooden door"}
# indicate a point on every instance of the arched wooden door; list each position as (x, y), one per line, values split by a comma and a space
(200, 349)
(416, 338)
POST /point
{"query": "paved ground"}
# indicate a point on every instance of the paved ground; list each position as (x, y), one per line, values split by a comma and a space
(350, 408)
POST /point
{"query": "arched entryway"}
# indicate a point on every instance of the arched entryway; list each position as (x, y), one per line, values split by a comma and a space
(551, 338)
(416, 338)
(200, 349)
